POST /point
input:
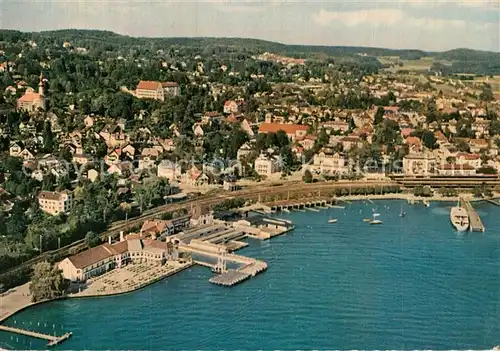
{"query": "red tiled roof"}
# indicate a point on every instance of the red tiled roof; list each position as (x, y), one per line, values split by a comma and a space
(287, 128)
(413, 140)
(148, 85)
(468, 157)
(30, 97)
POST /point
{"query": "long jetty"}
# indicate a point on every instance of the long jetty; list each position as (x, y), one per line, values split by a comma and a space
(475, 223)
(52, 339)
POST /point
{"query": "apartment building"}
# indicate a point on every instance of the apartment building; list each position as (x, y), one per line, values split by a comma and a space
(55, 203)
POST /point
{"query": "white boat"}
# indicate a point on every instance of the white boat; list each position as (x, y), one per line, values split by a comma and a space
(367, 220)
(402, 213)
(426, 204)
(376, 221)
(459, 218)
(334, 220)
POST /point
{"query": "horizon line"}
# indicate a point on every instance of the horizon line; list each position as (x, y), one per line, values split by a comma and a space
(248, 38)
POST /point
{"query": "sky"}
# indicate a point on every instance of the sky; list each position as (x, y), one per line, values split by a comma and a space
(434, 25)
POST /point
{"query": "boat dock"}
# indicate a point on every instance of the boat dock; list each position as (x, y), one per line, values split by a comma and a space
(321, 202)
(52, 339)
(475, 223)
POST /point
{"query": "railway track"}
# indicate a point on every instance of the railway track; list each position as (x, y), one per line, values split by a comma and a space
(205, 200)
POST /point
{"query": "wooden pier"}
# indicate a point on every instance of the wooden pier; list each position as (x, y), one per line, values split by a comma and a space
(475, 223)
(52, 339)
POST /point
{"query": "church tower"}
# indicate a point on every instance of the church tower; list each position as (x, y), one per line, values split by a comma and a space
(41, 92)
(40, 86)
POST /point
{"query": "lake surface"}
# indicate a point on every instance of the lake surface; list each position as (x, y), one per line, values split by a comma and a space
(410, 283)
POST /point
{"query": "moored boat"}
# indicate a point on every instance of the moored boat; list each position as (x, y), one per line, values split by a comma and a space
(334, 220)
(459, 218)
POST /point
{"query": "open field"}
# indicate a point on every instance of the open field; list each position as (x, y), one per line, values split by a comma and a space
(494, 82)
(424, 64)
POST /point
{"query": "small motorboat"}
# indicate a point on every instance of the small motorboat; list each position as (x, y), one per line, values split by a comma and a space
(333, 220)
(367, 220)
(376, 221)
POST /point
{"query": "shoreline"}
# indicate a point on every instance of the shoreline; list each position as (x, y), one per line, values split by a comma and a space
(92, 296)
(409, 197)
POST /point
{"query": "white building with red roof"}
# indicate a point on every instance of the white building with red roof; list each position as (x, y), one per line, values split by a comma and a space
(148, 89)
(32, 101)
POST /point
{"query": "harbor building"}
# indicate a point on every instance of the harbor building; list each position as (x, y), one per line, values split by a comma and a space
(100, 259)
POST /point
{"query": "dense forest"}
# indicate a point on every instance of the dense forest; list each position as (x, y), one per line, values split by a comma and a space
(99, 42)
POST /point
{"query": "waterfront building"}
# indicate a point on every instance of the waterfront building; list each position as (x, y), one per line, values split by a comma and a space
(54, 203)
(157, 228)
(102, 258)
(453, 170)
(328, 162)
(419, 164)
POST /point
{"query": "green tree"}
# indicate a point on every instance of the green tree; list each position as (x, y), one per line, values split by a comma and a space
(91, 239)
(429, 139)
(307, 177)
(46, 282)
(379, 115)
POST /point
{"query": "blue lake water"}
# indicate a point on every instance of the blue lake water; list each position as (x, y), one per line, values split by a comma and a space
(410, 283)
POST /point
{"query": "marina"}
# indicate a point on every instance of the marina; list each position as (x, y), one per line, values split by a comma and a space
(392, 301)
(212, 245)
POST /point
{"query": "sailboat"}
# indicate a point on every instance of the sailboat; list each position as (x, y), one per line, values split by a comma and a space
(376, 221)
(332, 220)
(402, 214)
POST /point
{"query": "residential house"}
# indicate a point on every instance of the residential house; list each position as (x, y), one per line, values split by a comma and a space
(196, 177)
(232, 106)
(247, 128)
(15, 149)
(55, 203)
(414, 144)
(243, 151)
(267, 165)
(478, 145)
(157, 228)
(169, 170)
(350, 142)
